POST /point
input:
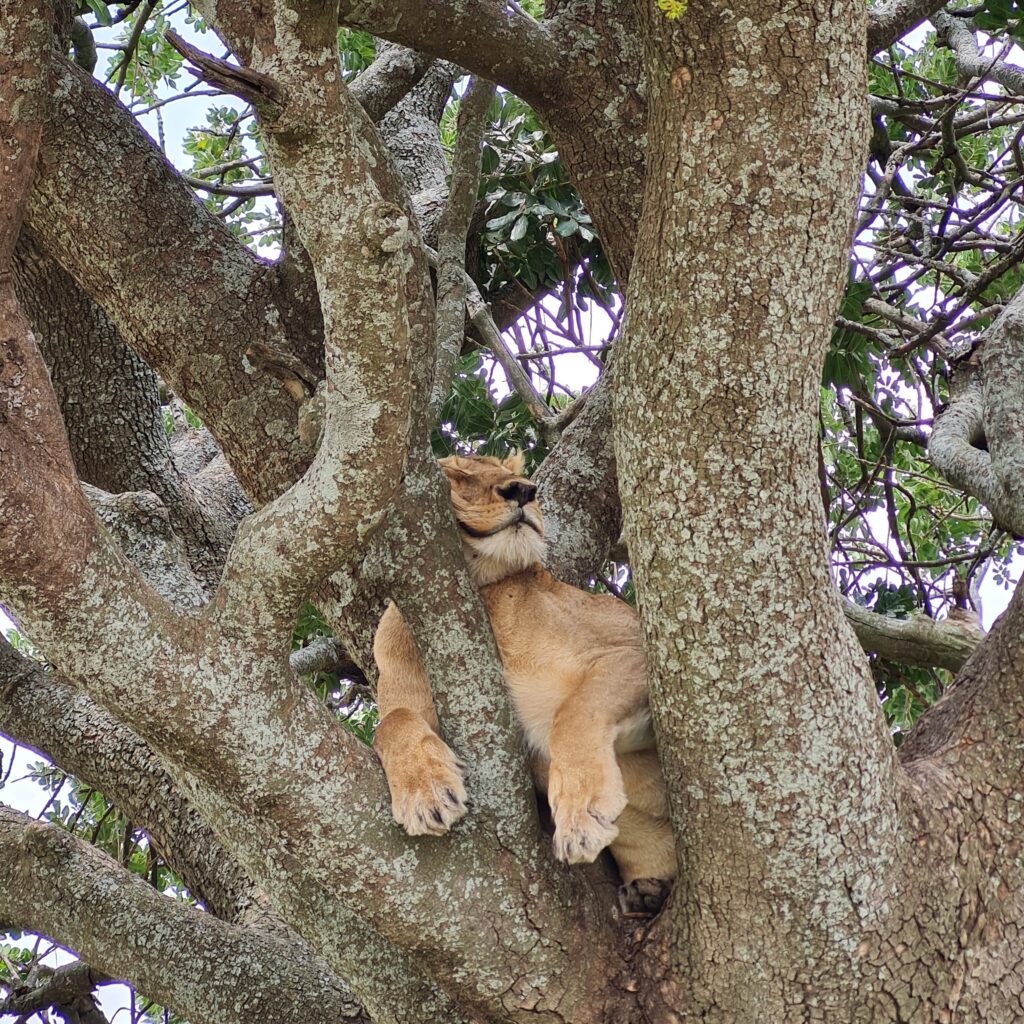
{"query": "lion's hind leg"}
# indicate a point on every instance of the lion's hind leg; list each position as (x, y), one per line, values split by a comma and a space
(644, 849)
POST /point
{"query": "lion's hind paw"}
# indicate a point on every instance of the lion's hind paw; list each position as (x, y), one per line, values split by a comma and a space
(643, 897)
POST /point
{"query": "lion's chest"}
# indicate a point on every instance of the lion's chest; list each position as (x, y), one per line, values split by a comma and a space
(536, 697)
(542, 658)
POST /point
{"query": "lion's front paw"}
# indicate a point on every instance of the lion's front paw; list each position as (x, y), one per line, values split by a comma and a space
(585, 803)
(427, 792)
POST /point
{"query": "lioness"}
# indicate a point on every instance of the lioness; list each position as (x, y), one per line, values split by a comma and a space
(575, 670)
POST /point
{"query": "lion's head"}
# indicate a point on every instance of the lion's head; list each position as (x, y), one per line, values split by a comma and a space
(498, 515)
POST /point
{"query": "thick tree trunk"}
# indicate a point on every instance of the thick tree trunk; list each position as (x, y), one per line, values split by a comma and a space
(784, 846)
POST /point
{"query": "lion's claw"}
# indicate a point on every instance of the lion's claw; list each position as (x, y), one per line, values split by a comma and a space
(584, 813)
(428, 796)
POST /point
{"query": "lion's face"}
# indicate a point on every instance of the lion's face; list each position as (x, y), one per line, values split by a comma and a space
(498, 515)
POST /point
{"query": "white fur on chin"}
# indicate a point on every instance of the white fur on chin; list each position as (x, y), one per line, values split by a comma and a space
(503, 554)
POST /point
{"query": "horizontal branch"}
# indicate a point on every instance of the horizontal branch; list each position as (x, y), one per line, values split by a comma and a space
(917, 640)
(498, 41)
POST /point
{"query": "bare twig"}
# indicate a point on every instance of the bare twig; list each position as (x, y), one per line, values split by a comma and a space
(452, 231)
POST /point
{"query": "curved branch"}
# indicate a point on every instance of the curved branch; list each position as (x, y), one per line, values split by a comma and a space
(40, 709)
(496, 40)
(954, 452)
(205, 969)
(1002, 363)
(371, 290)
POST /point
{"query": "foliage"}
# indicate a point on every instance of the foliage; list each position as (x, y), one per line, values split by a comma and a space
(536, 232)
(672, 9)
(1002, 16)
(474, 422)
(227, 155)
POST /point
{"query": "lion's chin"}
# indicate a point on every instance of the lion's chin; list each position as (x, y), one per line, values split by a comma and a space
(503, 554)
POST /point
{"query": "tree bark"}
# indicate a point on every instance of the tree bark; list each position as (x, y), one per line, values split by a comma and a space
(734, 284)
(821, 877)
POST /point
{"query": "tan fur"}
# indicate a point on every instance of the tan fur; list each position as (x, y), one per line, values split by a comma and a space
(575, 671)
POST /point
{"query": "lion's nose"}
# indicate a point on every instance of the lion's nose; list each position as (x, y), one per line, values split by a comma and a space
(518, 491)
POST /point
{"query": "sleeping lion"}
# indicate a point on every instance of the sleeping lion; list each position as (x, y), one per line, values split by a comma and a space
(575, 670)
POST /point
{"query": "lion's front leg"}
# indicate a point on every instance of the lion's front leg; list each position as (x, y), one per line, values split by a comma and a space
(424, 775)
(585, 788)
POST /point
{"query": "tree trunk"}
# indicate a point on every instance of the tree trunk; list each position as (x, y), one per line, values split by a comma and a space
(756, 130)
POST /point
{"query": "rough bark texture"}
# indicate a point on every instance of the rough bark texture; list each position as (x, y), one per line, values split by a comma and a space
(731, 296)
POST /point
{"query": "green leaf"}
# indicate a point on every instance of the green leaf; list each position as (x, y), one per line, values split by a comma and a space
(100, 9)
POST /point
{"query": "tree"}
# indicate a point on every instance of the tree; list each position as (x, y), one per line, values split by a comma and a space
(825, 872)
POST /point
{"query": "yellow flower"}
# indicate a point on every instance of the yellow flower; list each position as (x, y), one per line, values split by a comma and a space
(673, 8)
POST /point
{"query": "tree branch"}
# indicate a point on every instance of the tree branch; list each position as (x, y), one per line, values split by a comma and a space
(45, 712)
(68, 990)
(26, 29)
(205, 969)
(42, 710)
(890, 21)
(359, 247)
(917, 640)
(492, 40)
(394, 72)
(452, 232)
(953, 448)
(579, 490)
(1002, 363)
(956, 33)
(412, 135)
(191, 306)
(110, 404)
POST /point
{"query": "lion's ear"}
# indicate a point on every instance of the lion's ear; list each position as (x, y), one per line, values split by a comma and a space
(451, 468)
(515, 463)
